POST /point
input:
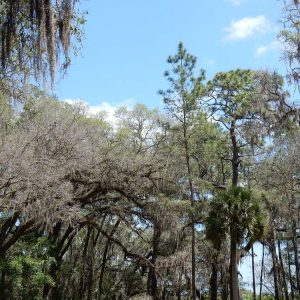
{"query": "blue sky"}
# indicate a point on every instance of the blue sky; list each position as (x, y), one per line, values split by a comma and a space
(126, 44)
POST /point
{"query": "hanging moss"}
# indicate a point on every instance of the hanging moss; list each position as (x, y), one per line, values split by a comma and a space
(34, 33)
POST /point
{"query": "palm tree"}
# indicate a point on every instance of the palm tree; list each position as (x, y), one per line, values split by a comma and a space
(235, 213)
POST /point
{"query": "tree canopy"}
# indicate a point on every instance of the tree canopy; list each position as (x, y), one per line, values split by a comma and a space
(158, 204)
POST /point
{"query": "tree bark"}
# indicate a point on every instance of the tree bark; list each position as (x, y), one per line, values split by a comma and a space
(214, 281)
(224, 281)
(152, 276)
(235, 155)
(187, 156)
(90, 263)
(59, 248)
(296, 255)
(262, 271)
(2, 284)
(234, 286)
(104, 258)
(286, 293)
(82, 282)
(253, 275)
(275, 270)
(290, 270)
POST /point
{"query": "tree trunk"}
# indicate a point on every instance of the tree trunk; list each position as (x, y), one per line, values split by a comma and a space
(59, 248)
(286, 293)
(2, 285)
(275, 270)
(103, 264)
(253, 274)
(224, 284)
(214, 281)
(90, 278)
(235, 155)
(90, 263)
(262, 271)
(193, 258)
(104, 258)
(152, 276)
(179, 293)
(152, 281)
(296, 255)
(234, 285)
(187, 156)
(82, 283)
(290, 270)
(179, 284)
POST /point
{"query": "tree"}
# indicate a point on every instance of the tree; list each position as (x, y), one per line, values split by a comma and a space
(240, 215)
(181, 101)
(35, 146)
(290, 36)
(278, 175)
(25, 270)
(35, 33)
(249, 105)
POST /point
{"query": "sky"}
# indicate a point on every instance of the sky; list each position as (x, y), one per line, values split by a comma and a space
(126, 44)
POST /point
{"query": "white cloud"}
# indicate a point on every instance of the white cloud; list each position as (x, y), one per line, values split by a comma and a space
(273, 46)
(247, 27)
(104, 109)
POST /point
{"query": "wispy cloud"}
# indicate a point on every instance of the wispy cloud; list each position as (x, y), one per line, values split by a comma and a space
(273, 46)
(211, 62)
(247, 27)
(236, 2)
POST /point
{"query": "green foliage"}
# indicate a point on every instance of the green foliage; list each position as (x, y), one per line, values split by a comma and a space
(125, 198)
(235, 208)
(253, 101)
(185, 88)
(25, 268)
(234, 92)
